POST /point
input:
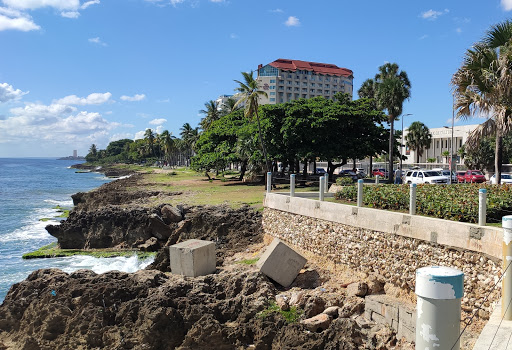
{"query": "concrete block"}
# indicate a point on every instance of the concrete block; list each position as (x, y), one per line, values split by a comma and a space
(407, 322)
(192, 258)
(281, 263)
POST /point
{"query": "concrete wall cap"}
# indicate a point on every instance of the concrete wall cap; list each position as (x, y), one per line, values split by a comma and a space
(439, 282)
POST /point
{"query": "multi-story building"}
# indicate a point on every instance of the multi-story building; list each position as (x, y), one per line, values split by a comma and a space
(441, 142)
(287, 80)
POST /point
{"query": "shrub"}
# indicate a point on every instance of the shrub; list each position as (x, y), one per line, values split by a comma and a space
(455, 202)
(344, 181)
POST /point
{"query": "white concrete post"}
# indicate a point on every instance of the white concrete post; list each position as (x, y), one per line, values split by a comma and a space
(360, 192)
(412, 199)
(376, 179)
(292, 185)
(269, 182)
(506, 283)
(321, 189)
(326, 187)
(439, 290)
(482, 206)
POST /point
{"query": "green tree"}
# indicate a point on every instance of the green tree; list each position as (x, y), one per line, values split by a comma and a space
(390, 88)
(229, 106)
(166, 141)
(446, 155)
(483, 86)
(250, 93)
(211, 114)
(418, 138)
(149, 138)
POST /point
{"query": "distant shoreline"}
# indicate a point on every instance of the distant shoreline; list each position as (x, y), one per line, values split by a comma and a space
(71, 158)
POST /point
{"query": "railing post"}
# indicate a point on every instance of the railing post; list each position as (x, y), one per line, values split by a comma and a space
(482, 206)
(412, 199)
(292, 185)
(506, 284)
(376, 179)
(269, 182)
(321, 189)
(360, 192)
(439, 291)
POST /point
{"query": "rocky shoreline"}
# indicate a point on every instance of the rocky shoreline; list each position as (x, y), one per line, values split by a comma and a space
(235, 308)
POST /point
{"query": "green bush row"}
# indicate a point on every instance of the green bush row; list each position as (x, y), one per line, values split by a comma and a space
(456, 202)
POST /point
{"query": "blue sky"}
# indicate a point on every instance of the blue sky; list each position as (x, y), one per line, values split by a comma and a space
(75, 72)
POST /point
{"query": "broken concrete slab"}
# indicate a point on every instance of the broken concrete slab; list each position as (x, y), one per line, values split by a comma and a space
(192, 258)
(281, 263)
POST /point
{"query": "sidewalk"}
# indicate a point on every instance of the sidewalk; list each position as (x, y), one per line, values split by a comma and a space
(494, 338)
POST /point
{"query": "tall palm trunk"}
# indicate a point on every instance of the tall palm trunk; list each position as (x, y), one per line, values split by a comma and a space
(262, 143)
(391, 146)
(498, 159)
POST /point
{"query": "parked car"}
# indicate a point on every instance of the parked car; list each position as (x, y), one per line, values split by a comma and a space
(474, 176)
(460, 176)
(381, 172)
(425, 177)
(320, 171)
(360, 171)
(506, 178)
(446, 172)
(346, 172)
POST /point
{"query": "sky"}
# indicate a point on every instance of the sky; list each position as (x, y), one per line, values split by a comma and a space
(75, 73)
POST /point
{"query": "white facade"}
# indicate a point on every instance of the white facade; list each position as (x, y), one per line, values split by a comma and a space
(441, 142)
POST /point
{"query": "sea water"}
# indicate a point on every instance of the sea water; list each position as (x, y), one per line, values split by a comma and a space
(30, 189)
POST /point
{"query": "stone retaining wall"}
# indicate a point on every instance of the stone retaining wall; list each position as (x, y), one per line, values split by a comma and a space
(393, 256)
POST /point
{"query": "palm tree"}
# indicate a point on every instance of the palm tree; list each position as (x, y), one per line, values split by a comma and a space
(418, 138)
(149, 137)
(211, 112)
(392, 88)
(483, 86)
(250, 93)
(446, 155)
(229, 106)
(167, 144)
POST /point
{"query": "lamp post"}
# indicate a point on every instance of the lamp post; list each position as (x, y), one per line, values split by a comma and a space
(402, 145)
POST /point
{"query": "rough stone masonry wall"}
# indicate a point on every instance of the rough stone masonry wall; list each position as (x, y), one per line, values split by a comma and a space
(395, 257)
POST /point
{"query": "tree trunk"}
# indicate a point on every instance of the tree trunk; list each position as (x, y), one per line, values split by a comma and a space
(498, 159)
(370, 171)
(263, 148)
(417, 156)
(243, 169)
(391, 145)
(305, 168)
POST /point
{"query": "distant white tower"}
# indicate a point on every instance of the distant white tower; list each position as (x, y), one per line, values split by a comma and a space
(75, 153)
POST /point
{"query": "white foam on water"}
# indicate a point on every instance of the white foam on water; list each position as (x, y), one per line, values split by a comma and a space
(101, 265)
(63, 203)
(31, 231)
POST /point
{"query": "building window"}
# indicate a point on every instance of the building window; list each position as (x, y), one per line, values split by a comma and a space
(326, 92)
(312, 90)
(281, 100)
(289, 96)
(304, 83)
(297, 89)
(304, 89)
(327, 85)
(272, 87)
(460, 143)
(272, 93)
(312, 84)
(327, 79)
(289, 88)
(320, 78)
(297, 96)
(272, 81)
(268, 71)
(290, 82)
(281, 81)
(319, 84)
(281, 88)
(335, 80)
(289, 76)
(272, 99)
(297, 83)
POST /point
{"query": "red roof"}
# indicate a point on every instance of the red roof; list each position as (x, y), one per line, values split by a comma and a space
(319, 68)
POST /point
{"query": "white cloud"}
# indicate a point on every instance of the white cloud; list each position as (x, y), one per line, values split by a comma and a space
(159, 129)
(423, 37)
(95, 98)
(458, 30)
(292, 21)
(277, 11)
(35, 4)
(506, 5)
(89, 3)
(120, 136)
(217, 1)
(139, 135)
(176, 2)
(432, 15)
(159, 121)
(137, 97)
(15, 20)
(70, 14)
(233, 36)
(97, 40)
(8, 93)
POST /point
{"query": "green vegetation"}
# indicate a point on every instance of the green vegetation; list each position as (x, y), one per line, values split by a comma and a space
(418, 138)
(457, 202)
(291, 316)
(64, 213)
(51, 251)
(248, 261)
(344, 181)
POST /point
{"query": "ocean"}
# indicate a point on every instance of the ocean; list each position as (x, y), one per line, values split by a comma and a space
(30, 189)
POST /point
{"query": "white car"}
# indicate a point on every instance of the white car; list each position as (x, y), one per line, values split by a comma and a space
(425, 177)
(505, 179)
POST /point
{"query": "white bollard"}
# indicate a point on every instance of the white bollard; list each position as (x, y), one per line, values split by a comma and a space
(321, 189)
(439, 291)
(269, 182)
(292, 185)
(376, 179)
(412, 199)
(482, 206)
(506, 283)
(360, 192)
(326, 186)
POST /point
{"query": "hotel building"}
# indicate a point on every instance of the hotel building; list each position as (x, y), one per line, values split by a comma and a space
(287, 80)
